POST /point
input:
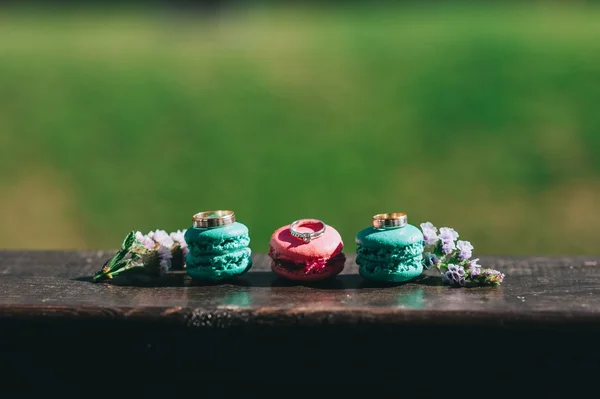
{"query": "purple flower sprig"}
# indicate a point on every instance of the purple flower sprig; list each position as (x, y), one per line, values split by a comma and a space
(148, 255)
(452, 257)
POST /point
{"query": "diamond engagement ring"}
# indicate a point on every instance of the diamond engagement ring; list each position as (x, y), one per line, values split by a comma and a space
(390, 220)
(307, 236)
(210, 219)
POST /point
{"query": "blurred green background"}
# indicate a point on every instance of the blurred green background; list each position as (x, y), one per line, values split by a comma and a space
(485, 118)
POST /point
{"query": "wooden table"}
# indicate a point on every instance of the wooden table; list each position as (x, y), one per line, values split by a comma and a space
(57, 328)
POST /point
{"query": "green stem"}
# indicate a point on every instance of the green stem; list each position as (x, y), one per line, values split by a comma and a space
(106, 274)
(121, 253)
(116, 260)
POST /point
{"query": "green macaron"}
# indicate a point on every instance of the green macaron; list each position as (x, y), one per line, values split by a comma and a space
(218, 253)
(390, 255)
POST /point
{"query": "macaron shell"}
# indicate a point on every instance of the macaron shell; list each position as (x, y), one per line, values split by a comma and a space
(218, 240)
(218, 247)
(219, 267)
(284, 245)
(390, 255)
(331, 269)
(210, 274)
(389, 238)
(375, 272)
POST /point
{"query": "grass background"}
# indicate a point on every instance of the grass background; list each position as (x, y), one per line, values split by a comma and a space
(484, 118)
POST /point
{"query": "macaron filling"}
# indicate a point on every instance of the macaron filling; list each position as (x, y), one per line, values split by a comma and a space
(307, 266)
(219, 266)
(220, 261)
(225, 245)
(384, 254)
(318, 267)
(312, 266)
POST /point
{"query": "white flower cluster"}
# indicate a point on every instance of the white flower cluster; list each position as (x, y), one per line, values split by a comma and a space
(178, 237)
(146, 255)
(164, 244)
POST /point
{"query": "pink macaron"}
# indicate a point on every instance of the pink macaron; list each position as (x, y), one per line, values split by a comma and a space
(318, 259)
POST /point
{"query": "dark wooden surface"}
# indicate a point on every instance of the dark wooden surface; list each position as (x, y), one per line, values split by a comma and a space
(537, 291)
(543, 322)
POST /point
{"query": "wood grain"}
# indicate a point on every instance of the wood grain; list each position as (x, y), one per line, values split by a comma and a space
(537, 290)
(543, 322)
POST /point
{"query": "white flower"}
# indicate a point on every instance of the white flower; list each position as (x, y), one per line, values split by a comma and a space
(448, 246)
(474, 268)
(146, 241)
(162, 237)
(178, 237)
(429, 233)
(448, 234)
(465, 248)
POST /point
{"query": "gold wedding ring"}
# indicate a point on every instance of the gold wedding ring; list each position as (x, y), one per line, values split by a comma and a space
(390, 220)
(210, 219)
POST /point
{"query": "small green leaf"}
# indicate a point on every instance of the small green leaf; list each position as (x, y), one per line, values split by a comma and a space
(116, 261)
(122, 253)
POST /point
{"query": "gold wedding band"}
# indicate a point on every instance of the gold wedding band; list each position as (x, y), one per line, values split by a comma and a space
(390, 220)
(210, 219)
